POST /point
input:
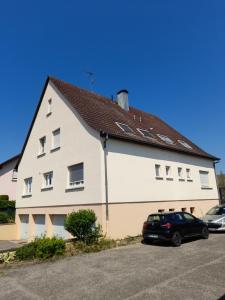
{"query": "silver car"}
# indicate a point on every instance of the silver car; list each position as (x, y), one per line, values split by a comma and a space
(215, 218)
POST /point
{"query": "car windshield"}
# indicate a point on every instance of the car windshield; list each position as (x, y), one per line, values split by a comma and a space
(216, 211)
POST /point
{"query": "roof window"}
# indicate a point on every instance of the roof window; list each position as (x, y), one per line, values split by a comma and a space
(186, 145)
(124, 127)
(146, 133)
(166, 139)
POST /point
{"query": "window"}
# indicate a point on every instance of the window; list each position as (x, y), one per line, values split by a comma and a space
(180, 174)
(186, 145)
(168, 171)
(146, 133)
(42, 143)
(76, 175)
(161, 211)
(171, 209)
(56, 139)
(188, 173)
(183, 209)
(188, 217)
(14, 175)
(48, 179)
(165, 139)
(49, 107)
(124, 127)
(192, 209)
(204, 179)
(28, 186)
(158, 171)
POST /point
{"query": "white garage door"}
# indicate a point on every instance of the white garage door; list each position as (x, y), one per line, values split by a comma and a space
(58, 226)
(39, 225)
(24, 227)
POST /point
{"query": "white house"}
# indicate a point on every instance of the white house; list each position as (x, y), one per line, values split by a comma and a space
(86, 151)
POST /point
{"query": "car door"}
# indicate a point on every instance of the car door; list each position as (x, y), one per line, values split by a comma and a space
(191, 225)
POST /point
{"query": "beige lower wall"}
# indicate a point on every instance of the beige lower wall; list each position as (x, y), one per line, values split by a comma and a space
(125, 219)
(8, 232)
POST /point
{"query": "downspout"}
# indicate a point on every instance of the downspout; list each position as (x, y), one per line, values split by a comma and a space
(218, 192)
(105, 136)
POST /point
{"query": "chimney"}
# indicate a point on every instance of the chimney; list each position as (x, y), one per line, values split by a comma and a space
(122, 99)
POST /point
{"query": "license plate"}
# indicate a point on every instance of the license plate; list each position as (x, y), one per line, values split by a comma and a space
(154, 236)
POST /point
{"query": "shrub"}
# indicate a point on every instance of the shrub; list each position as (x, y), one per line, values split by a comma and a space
(3, 218)
(41, 248)
(4, 197)
(81, 225)
(7, 257)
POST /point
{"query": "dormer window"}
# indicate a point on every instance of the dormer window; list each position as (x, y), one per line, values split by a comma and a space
(49, 107)
(124, 127)
(165, 139)
(146, 133)
(186, 145)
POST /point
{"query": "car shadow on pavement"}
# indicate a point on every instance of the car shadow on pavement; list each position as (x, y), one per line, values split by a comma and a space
(168, 244)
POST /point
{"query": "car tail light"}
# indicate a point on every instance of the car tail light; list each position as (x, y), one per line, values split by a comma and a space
(167, 225)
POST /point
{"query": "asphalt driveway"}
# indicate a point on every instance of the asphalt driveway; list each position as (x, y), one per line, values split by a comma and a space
(196, 270)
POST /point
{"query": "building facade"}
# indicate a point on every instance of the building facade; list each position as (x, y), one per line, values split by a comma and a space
(86, 151)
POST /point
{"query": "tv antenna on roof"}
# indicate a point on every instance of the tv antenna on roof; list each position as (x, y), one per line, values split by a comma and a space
(91, 78)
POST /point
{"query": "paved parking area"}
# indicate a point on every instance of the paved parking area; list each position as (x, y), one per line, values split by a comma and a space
(196, 270)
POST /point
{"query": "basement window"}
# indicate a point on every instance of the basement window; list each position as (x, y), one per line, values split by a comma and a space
(165, 139)
(146, 133)
(183, 209)
(161, 211)
(124, 127)
(186, 145)
(192, 210)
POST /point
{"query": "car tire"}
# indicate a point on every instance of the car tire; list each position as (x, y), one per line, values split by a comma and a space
(176, 239)
(205, 233)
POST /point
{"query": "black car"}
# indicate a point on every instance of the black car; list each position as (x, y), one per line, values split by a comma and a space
(173, 227)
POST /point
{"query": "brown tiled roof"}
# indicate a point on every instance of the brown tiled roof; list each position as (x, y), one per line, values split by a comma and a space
(101, 113)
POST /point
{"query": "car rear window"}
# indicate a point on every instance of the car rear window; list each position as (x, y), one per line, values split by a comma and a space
(156, 218)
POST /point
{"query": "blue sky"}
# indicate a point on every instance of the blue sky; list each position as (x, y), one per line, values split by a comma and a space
(170, 55)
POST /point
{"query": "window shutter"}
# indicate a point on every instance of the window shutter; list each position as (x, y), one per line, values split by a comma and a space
(77, 172)
(204, 178)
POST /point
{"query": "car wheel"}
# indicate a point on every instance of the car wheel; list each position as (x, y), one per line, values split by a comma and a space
(176, 239)
(205, 233)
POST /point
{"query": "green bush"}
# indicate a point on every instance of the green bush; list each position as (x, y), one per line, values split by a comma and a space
(41, 248)
(4, 197)
(81, 225)
(4, 218)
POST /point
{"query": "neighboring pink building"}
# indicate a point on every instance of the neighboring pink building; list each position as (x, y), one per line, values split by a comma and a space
(8, 177)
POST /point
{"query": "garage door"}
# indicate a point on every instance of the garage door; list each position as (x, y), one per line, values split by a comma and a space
(24, 227)
(39, 225)
(58, 226)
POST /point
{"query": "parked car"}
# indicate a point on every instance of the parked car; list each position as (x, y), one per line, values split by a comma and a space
(173, 227)
(215, 218)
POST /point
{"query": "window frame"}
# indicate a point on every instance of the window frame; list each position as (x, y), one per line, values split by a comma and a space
(150, 136)
(79, 183)
(166, 139)
(180, 174)
(42, 147)
(46, 177)
(169, 175)
(185, 144)
(119, 125)
(54, 146)
(27, 190)
(158, 175)
(208, 181)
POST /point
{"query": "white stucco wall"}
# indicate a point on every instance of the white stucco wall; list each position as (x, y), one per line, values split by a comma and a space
(78, 144)
(131, 173)
(7, 186)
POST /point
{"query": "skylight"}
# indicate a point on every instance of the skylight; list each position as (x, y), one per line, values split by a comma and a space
(146, 133)
(186, 145)
(124, 127)
(166, 139)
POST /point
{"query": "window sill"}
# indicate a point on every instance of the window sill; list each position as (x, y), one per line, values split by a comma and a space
(169, 178)
(206, 188)
(47, 188)
(74, 188)
(181, 179)
(190, 180)
(26, 195)
(55, 149)
(159, 177)
(48, 114)
(41, 154)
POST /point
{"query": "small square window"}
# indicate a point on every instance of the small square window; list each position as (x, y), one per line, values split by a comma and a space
(27, 186)
(171, 209)
(76, 175)
(56, 139)
(14, 175)
(158, 171)
(183, 209)
(161, 211)
(192, 210)
(48, 180)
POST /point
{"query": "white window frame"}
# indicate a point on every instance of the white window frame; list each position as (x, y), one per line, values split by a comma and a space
(14, 175)
(158, 171)
(42, 149)
(204, 186)
(119, 125)
(75, 184)
(28, 186)
(166, 139)
(54, 145)
(47, 180)
(168, 174)
(185, 144)
(188, 174)
(180, 174)
(145, 130)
